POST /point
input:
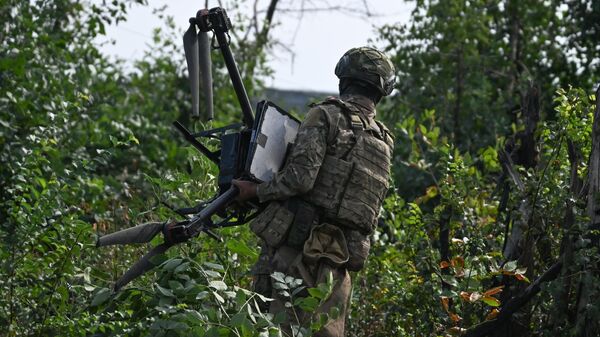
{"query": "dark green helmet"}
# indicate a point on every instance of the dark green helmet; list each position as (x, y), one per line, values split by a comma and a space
(368, 65)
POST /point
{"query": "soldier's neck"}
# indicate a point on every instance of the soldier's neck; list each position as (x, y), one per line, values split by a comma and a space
(365, 103)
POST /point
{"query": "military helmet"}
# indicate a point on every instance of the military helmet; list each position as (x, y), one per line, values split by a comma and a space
(368, 65)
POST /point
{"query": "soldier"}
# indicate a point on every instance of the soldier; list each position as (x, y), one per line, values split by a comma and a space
(324, 203)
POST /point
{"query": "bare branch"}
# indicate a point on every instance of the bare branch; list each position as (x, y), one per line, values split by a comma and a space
(366, 4)
(302, 4)
(255, 17)
(508, 166)
(269, 18)
(350, 11)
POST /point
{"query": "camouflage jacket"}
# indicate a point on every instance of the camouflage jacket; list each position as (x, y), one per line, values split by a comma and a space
(324, 131)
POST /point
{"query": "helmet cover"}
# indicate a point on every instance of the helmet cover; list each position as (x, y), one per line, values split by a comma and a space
(368, 65)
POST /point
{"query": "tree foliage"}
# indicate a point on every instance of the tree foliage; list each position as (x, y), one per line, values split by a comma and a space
(490, 166)
(490, 173)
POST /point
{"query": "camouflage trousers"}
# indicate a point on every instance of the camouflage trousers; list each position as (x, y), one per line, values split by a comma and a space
(290, 261)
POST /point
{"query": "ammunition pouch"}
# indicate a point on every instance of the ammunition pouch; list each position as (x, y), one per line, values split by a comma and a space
(359, 246)
(330, 185)
(305, 218)
(286, 222)
(273, 223)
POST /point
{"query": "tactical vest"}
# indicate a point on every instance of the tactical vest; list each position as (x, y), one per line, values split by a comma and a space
(350, 190)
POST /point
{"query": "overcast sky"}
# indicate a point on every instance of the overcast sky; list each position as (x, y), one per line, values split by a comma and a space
(318, 39)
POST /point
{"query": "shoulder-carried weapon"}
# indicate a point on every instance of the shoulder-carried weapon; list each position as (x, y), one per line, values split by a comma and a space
(252, 149)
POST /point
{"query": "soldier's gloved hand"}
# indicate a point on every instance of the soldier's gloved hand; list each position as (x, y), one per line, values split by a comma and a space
(247, 189)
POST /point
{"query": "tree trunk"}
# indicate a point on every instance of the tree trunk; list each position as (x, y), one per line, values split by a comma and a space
(521, 242)
(587, 325)
(524, 154)
(563, 296)
(593, 204)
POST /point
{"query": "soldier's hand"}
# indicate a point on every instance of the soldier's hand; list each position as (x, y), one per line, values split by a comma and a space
(247, 189)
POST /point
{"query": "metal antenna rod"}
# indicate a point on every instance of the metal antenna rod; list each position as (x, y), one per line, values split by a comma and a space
(236, 79)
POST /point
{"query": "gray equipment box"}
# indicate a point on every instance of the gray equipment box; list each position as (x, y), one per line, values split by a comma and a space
(274, 132)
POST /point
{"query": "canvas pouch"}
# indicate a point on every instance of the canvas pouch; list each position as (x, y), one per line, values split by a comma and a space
(359, 246)
(273, 223)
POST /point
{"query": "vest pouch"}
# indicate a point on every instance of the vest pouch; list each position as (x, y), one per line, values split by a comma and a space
(359, 246)
(361, 201)
(305, 217)
(273, 224)
(326, 243)
(329, 185)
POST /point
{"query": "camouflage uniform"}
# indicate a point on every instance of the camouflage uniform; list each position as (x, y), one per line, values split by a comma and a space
(328, 133)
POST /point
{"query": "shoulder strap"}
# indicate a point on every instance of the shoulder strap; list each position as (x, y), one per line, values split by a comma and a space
(388, 137)
(333, 113)
(350, 111)
(358, 122)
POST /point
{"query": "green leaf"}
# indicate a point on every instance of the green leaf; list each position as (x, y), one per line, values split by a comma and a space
(278, 276)
(133, 139)
(218, 285)
(298, 290)
(214, 266)
(218, 297)
(213, 332)
(491, 301)
(158, 259)
(182, 267)
(101, 296)
(280, 317)
(202, 295)
(308, 304)
(212, 274)
(175, 285)
(334, 312)
(317, 293)
(450, 280)
(280, 286)
(238, 319)
(510, 266)
(171, 264)
(241, 248)
(164, 291)
(521, 270)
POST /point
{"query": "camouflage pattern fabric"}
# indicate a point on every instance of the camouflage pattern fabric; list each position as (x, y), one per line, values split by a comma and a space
(368, 65)
(325, 132)
(291, 262)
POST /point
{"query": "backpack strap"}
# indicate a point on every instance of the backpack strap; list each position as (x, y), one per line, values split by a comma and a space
(350, 111)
